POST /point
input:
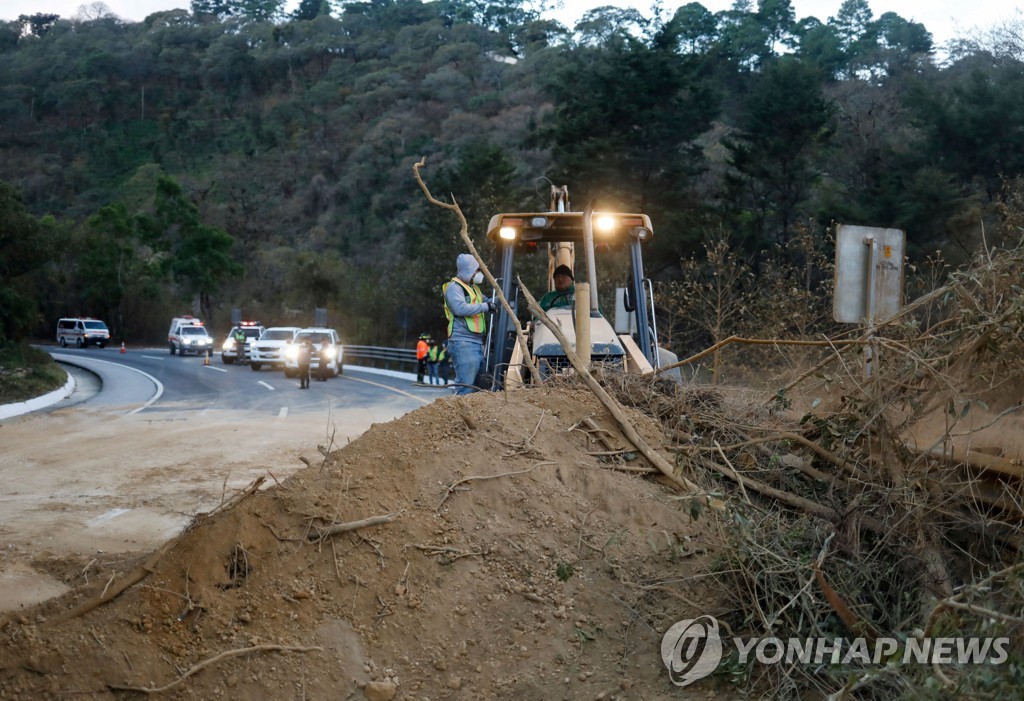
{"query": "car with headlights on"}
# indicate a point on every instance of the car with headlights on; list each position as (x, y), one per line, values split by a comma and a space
(316, 335)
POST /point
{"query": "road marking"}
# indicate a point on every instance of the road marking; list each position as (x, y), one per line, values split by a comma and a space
(270, 387)
(155, 357)
(283, 413)
(213, 367)
(393, 389)
(156, 382)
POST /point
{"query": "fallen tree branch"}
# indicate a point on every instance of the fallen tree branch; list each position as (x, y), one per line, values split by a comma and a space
(464, 233)
(353, 526)
(207, 663)
(613, 407)
(451, 487)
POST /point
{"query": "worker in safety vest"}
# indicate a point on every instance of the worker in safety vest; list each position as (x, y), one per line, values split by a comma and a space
(422, 349)
(432, 359)
(466, 310)
(444, 363)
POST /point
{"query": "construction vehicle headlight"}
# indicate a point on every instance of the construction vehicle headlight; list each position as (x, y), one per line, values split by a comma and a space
(539, 222)
(507, 232)
(604, 224)
(641, 233)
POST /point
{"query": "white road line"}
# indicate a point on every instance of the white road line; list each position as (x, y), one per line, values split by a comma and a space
(283, 413)
(270, 387)
(159, 385)
(392, 389)
(214, 367)
(155, 357)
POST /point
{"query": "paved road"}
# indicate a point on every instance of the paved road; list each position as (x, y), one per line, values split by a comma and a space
(154, 381)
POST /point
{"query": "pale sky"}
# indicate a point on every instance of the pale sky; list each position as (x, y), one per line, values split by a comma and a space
(943, 18)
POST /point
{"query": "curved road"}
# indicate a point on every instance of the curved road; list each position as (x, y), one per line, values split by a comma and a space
(153, 380)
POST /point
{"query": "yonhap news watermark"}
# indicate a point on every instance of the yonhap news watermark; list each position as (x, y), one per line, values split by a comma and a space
(693, 648)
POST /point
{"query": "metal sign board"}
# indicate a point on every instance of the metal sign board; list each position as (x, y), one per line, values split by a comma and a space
(869, 274)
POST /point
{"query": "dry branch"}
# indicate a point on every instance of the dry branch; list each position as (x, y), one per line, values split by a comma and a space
(464, 233)
(613, 407)
(213, 660)
(451, 487)
(337, 528)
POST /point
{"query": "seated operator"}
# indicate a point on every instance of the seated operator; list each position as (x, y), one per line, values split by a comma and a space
(564, 294)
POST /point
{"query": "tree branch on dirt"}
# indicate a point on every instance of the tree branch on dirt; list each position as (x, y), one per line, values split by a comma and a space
(213, 660)
(451, 488)
(322, 533)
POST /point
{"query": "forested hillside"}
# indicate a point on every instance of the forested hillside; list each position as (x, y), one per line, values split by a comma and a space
(235, 156)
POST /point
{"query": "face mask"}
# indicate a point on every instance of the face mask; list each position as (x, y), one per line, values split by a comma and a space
(478, 278)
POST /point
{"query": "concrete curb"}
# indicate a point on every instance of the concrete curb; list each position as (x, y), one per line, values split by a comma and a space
(8, 411)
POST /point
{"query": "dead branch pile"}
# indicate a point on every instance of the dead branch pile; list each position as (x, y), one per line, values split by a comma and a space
(852, 519)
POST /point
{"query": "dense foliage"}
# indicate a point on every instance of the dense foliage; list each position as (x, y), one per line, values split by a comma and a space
(236, 156)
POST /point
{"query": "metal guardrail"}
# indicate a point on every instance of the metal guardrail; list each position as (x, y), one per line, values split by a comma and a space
(380, 357)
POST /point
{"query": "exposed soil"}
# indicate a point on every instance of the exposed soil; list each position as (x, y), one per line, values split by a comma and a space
(546, 580)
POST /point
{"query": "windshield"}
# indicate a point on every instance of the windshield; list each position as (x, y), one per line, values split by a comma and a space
(277, 335)
(95, 325)
(316, 338)
(249, 332)
(193, 331)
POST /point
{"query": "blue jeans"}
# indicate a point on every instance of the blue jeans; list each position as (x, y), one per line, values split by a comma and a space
(467, 356)
(435, 378)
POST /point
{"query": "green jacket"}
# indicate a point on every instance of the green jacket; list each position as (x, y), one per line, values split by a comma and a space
(556, 299)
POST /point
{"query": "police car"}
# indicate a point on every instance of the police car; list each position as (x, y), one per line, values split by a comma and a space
(230, 351)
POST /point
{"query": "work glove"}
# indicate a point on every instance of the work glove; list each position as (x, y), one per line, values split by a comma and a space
(491, 306)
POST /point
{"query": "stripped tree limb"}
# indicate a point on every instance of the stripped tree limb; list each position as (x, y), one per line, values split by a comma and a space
(464, 232)
(207, 663)
(353, 526)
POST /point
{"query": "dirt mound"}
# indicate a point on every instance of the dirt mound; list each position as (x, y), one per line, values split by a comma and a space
(516, 566)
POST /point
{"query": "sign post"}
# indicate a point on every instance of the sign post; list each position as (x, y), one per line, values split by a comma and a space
(869, 277)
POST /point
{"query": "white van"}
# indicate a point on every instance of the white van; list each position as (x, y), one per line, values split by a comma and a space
(188, 335)
(82, 332)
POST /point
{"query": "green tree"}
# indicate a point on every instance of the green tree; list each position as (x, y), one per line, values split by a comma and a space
(626, 118)
(786, 119)
(199, 255)
(26, 244)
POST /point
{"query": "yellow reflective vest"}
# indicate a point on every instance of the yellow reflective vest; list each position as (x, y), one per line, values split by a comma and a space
(476, 323)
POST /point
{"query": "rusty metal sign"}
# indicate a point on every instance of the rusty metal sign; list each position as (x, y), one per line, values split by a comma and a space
(869, 274)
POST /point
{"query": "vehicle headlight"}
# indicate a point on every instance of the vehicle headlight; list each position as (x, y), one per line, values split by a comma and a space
(291, 353)
(229, 344)
(332, 352)
(188, 341)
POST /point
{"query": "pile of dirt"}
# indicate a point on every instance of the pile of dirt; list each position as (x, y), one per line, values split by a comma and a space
(541, 574)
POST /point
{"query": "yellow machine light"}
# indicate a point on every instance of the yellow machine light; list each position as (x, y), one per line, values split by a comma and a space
(508, 233)
(605, 223)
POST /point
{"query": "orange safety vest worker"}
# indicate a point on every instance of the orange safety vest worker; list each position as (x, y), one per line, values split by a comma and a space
(422, 347)
(476, 323)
